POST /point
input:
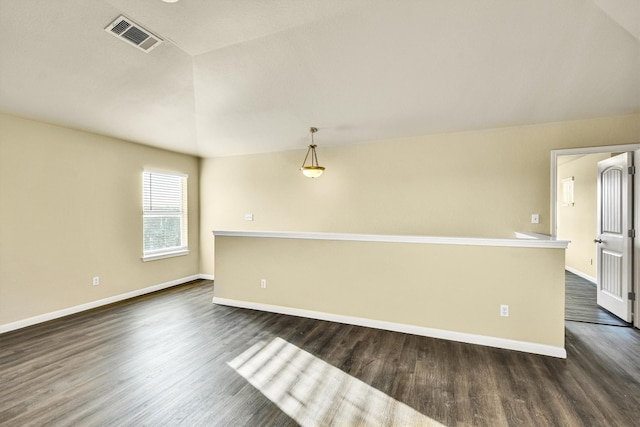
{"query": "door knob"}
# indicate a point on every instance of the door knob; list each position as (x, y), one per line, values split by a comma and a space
(597, 241)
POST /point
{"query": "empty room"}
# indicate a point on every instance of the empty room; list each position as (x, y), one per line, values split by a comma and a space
(319, 213)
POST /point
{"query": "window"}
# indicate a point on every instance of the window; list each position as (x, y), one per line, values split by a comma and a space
(567, 191)
(164, 205)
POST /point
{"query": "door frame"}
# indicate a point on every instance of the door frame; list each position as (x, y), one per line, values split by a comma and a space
(636, 204)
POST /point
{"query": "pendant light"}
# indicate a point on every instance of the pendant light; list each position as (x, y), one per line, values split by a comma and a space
(313, 170)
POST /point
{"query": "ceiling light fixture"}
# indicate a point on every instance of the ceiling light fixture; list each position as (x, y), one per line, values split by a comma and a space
(313, 170)
(171, 1)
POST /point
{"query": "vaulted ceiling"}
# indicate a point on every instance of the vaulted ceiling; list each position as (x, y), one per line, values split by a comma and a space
(249, 76)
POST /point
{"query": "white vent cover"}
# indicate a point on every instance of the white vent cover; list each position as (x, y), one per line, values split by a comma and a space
(127, 30)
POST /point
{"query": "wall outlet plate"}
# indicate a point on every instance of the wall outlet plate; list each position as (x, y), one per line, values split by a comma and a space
(504, 310)
(535, 218)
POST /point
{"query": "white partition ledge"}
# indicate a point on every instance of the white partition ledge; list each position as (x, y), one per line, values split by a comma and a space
(538, 236)
(522, 240)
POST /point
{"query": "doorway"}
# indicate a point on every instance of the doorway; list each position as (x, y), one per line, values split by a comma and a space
(574, 211)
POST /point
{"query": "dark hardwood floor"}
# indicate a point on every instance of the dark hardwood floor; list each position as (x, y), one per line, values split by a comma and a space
(581, 305)
(174, 358)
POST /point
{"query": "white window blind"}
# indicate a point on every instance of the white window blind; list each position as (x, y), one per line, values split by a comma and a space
(164, 204)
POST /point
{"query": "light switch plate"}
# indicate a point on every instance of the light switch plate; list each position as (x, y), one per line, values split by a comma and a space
(535, 218)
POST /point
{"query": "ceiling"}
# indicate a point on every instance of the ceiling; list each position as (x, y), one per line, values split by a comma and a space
(251, 76)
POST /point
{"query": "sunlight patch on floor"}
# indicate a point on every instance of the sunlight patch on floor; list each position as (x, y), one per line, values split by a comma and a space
(314, 393)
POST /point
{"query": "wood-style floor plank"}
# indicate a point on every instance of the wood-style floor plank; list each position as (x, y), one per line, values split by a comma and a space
(162, 359)
(581, 303)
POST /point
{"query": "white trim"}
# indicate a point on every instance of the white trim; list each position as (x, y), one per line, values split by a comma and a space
(636, 240)
(206, 276)
(529, 242)
(165, 172)
(164, 255)
(573, 152)
(93, 304)
(508, 344)
(581, 274)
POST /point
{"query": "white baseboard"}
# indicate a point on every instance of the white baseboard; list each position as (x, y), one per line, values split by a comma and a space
(581, 274)
(94, 304)
(205, 276)
(508, 344)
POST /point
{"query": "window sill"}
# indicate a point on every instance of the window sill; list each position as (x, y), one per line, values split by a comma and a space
(163, 255)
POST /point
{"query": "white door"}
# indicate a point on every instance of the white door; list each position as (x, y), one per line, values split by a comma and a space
(614, 230)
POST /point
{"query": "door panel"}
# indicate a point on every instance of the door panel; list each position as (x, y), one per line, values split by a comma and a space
(614, 244)
(611, 199)
(612, 273)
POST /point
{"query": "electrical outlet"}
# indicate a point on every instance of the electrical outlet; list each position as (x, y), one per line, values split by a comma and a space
(96, 281)
(535, 218)
(263, 283)
(248, 217)
(504, 310)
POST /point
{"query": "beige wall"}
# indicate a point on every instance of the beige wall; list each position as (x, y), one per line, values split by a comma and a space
(453, 288)
(71, 210)
(482, 183)
(71, 199)
(577, 223)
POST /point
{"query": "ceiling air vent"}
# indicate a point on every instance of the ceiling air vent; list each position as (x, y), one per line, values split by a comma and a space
(127, 30)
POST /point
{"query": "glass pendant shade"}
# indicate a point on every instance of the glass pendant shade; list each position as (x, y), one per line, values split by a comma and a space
(312, 170)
